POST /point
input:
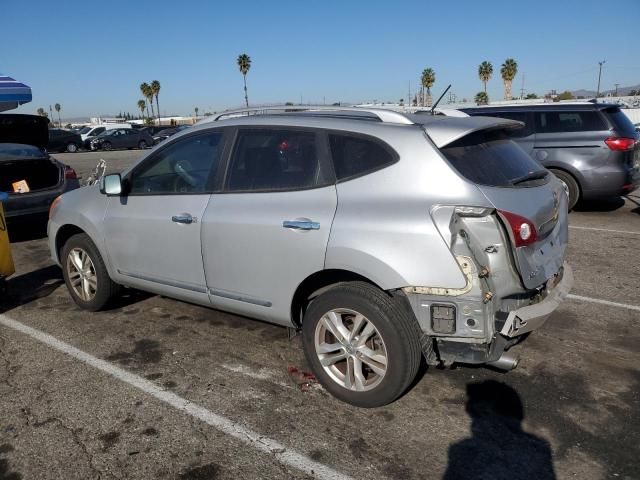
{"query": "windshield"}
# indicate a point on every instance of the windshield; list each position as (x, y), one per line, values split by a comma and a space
(490, 158)
(18, 150)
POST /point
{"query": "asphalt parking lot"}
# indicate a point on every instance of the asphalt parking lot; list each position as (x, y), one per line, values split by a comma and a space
(156, 388)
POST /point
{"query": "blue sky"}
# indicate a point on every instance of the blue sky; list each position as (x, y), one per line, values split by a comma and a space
(92, 56)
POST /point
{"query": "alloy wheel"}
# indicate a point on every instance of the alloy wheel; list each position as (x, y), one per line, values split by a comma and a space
(82, 274)
(351, 349)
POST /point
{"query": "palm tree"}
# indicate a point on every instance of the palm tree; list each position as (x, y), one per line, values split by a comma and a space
(481, 98)
(57, 107)
(145, 89)
(485, 71)
(155, 90)
(244, 64)
(196, 110)
(427, 80)
(508, 71)
(141, 105)
(41, 112)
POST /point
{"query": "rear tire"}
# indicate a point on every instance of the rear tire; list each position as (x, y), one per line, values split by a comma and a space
(72, 148)
(570, 186)
(374, 354)
(142, 144)
(86, 275)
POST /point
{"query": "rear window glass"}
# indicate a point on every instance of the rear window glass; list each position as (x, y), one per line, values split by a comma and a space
(354, 156)
(490, 158)
(620, 122)
(18, 150)
(555, 122)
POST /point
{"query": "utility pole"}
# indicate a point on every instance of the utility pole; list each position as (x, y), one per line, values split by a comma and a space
(616, 84)
(522, 88)
(409, 96)
(599, 74)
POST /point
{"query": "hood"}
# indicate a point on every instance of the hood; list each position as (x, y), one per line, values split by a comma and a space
(24, 129)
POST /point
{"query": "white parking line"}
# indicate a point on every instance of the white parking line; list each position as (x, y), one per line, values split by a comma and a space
(281, 453)
(628, 232)
(604, 302)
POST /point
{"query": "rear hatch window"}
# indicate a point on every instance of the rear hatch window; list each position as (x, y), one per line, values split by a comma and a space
(490, 158)
(620, 122)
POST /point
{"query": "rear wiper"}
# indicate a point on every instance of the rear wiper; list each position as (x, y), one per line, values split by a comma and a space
(537, 175)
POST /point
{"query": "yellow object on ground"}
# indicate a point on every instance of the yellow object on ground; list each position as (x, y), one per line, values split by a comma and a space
(6, 261)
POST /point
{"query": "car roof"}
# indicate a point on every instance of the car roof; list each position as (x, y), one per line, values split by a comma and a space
(442, 130)
(575, 106)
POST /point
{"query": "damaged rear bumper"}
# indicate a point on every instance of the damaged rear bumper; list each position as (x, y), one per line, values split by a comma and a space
(519, 322)
(526, 319)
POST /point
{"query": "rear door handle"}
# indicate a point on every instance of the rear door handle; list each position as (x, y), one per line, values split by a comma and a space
(301, 225)
(184, 218)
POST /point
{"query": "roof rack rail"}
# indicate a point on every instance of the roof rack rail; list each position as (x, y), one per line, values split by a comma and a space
(384, 115)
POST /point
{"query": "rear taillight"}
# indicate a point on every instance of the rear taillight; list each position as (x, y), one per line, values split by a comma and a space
(620, 144)
(524, 231)
(53, 205)
(70, 173)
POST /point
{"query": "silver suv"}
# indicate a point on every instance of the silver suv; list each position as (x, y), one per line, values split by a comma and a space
(385, 238)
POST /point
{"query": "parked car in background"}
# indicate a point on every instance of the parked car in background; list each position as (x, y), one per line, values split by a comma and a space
(154, 129)
(31, 177)
(91, 131)
(121, 138)
(448, 241)
(61, 140)
(592, 148)
(164, 134)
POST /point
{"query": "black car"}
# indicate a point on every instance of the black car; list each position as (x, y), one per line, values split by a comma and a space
(164, 134)
(593, 148)
(153, 130)
(121, 138)
(61, 140)
(31, 177)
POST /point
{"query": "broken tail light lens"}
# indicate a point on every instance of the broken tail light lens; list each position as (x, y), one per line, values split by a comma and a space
(620, 144)
(70, 173)
(523, 229)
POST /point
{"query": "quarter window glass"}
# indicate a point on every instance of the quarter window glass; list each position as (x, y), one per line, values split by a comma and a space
(519, 116)
(98, 131)
(354, 156)
(274, 160)
(183, 167)
(554, 122)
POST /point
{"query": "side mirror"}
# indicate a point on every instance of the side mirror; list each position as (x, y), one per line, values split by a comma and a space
(111, 184)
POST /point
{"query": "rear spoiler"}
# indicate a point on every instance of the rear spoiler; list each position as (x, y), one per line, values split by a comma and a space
(447, 130)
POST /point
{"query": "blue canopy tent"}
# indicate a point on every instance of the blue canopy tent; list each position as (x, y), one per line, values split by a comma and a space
(13, 93)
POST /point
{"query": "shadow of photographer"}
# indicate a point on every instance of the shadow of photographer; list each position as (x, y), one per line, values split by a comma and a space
(498, 447)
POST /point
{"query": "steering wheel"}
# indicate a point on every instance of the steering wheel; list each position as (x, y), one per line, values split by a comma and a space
(185, 180)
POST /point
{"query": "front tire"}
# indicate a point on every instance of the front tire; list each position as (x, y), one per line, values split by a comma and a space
(570, 186)
(106, 146)
(142, 144)
(72, 148)
(361, 344)
(85, 274)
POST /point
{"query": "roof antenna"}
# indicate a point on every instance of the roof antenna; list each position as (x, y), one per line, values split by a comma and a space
(433, 108)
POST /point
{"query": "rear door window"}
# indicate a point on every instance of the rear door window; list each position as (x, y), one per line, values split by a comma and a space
(490, 158)
(270, 159)
(557, 122)
(354, 156)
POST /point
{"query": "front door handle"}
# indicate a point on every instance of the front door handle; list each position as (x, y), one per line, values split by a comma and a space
(301, 225)
(183, 218)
